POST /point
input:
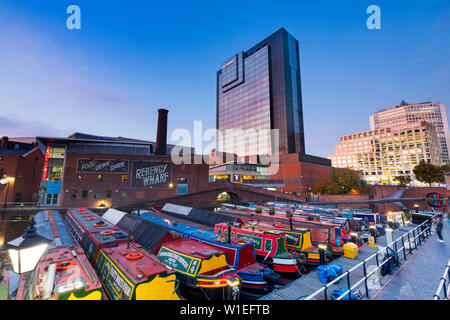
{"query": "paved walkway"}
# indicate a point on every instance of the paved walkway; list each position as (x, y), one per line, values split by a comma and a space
(418, 278)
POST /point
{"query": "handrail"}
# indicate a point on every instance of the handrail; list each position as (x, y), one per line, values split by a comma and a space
(393, 244)
(443, 284)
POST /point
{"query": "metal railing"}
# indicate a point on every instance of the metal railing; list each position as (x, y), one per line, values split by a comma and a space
(419, 234)
(444, 285)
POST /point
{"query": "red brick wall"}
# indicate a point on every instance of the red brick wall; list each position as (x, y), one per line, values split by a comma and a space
(22, 168)
(197, 175)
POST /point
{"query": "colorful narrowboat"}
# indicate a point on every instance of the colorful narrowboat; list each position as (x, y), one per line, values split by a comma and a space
(257, 279)
(63, 272)
(202, 270)
(4, 284)
(126, 269)
(129, 272)
(270, 246)
(297, 239)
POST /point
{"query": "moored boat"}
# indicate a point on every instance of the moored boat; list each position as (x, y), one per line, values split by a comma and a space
(202, 270)
(270, 246)
(63, 272)
(257, 279)
(127, 270)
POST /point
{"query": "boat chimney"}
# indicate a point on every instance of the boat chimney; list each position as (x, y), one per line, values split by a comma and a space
(161, 134)
(290, 222)
(229, 233)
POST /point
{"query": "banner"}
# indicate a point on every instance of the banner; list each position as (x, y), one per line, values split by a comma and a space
(102, 166)
(148, 173)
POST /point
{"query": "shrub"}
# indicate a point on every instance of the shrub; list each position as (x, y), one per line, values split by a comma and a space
(258, 210)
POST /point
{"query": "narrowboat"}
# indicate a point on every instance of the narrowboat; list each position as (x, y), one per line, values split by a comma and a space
(129, 272)
(257, 279)
(297, 239)
(202, 270)
(270, 246)
(322, 232)
(126, 269)
(63, 272)
(4, 284)
(195, 283)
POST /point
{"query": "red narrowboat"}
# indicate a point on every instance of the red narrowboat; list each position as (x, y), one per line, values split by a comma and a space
(270, 246)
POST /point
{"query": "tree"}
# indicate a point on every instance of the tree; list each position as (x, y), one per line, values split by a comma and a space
(403, 180)
(427, 172)
(346, 180)
(326, 187)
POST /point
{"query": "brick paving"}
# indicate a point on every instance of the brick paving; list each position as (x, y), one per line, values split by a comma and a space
(419, 276)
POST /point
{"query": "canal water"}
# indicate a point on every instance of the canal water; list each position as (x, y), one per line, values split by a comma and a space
(12, 226)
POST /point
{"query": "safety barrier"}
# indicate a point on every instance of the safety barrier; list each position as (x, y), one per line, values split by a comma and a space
(443, 285)
(409, 242)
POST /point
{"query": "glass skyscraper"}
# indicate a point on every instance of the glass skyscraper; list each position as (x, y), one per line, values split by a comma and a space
(261, 89)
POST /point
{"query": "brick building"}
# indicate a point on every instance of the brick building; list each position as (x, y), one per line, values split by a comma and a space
(92, 171)
(20, 171)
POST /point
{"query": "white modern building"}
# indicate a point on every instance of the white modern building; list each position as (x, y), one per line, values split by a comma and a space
(405, 113)
(385, 153)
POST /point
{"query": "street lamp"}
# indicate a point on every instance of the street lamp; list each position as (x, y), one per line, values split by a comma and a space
(417, 208)
(6, 181)
(26, 250)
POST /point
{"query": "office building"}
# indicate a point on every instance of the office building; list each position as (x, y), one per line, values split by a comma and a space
(382, 154)
(405, 113)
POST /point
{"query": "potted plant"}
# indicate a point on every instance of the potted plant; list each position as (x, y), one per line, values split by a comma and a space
(272, 211)
(288, 214)
(258, 210)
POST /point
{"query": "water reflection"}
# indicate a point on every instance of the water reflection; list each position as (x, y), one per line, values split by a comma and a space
(12, 226)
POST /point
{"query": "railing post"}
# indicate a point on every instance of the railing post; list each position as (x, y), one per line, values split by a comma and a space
(378, 263)
(414, 237)
(395, 246)
(349, 287)
(365, 279)
(404, 249)
(409, 242)
(326, 292)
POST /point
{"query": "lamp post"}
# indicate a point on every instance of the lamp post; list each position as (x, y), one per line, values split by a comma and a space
(6, 181)
(416, 206)
(26, 250)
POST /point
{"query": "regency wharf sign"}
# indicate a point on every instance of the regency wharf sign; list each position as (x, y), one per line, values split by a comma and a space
(102, 165)
(148, 173)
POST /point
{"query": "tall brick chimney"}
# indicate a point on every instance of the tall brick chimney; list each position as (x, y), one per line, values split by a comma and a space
(4, 142)
(161, 134)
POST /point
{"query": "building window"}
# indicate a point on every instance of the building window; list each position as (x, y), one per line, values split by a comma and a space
(73, 194)
(84, 194)
(18, 197)
(97, 194)
(124, 178)
(183, 180)
(124, 194)
(109, 194)
(100, 177)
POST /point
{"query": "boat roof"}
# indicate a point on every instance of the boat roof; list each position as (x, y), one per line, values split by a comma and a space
(87, 219)
(249, 229)
(136, 270)
(50, 225)
(192, 248)
(80, 274)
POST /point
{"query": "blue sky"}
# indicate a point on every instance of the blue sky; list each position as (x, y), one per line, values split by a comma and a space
(131, 57)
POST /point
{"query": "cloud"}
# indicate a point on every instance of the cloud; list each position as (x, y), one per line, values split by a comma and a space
(17, 128)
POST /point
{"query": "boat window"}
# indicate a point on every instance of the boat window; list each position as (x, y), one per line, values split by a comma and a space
(268, 245)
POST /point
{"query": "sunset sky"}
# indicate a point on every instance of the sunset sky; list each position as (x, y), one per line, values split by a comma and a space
(132, 57)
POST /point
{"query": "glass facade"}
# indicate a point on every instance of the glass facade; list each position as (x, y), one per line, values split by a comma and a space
(246, 106)
(50, 189)
(261, 89)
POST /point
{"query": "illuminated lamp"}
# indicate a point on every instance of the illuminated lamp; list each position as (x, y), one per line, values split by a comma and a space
(26, 251)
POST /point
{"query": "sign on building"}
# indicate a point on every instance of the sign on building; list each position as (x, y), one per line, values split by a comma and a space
(148, 173)
(102, 165)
